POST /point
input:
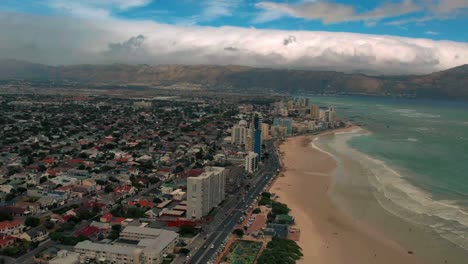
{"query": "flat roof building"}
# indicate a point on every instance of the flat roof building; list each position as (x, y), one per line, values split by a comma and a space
(136, 245)
(205, 192)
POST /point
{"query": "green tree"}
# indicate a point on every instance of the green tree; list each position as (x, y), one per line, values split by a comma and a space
(49, 224)
(108, 189)
(238, 232)
(32, 221)
(279, 208)
(184, 251)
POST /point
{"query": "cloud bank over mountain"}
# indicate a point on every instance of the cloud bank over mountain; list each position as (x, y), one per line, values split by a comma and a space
(66, 40)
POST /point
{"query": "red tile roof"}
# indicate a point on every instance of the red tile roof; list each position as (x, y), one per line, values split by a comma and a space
(107, 218)
(142, 203)
(9, 224)
(123, 189)
(5, 240)
(76, 161)
(48, 160)
(88, 231)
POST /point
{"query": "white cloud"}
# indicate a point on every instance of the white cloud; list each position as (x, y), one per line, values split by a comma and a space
(211, 10)
(59, 40)
(94, 8)
(329, 12)
(218, 8)
(433, 33)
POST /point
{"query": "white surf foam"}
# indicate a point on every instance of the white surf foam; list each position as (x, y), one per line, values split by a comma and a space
(401, 198)
(415, 114)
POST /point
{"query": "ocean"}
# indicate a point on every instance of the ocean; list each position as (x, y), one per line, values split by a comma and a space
(406, 171)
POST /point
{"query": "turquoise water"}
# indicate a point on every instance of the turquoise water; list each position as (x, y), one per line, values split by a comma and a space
(416, 156)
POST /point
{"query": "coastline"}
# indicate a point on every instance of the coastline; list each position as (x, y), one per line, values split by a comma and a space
(328, 235)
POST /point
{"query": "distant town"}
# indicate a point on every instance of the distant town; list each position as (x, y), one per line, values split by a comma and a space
(109, 177)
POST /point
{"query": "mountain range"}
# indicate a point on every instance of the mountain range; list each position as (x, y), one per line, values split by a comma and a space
(451, 83)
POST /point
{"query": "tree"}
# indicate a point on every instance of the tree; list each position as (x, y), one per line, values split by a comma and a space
(187, 230)
(279, 208)
(184, 251)
(5, 216)
(279, 251)
(49, 224)
(32, 221)
(238, 232)
(108, 189)
(256, 211)
(43, 179)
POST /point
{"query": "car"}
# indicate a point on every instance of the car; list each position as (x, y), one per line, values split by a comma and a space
(212, 246)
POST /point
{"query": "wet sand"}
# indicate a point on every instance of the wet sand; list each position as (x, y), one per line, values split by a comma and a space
(327, 234)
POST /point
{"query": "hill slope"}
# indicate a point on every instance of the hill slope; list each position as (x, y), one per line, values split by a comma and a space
(452, 83)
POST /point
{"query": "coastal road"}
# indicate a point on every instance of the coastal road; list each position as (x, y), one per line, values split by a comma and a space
(221, 231)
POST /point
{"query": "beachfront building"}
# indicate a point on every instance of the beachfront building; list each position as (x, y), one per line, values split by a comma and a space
(239, 133)
(251, 162)
(286, 122)
(315, 111)
(136, 245)
(256, 134)
(331, 114)
(205, 192)
(279, 131)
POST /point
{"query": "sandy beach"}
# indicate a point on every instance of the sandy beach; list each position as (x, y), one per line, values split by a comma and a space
(327, 234)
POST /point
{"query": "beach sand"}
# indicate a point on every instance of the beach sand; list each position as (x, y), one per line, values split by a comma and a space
(327, 234)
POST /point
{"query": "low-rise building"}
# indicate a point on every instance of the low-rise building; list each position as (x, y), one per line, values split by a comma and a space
(14, 227)
(137, 245)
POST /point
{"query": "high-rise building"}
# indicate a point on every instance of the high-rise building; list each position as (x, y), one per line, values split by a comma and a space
(265, 131)
(205, 192)
(279, 131)
(256, 127)
(239, 133)
(315, 111)
(249, 140)
(332, 113)
(286, 122)
(251, 162)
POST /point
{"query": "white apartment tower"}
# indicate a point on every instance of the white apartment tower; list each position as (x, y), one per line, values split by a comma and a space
(239, 133)
(205, 192)
(251, 162)
(332, 113)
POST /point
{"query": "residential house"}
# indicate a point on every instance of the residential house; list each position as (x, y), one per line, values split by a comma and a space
(14, 227)
(6, 240)
(37, 234)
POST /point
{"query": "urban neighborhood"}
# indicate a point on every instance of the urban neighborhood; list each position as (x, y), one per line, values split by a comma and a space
(112, 178)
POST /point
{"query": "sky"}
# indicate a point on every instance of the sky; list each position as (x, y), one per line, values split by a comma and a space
(382, 37)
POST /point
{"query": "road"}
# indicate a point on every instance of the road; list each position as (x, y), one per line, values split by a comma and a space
(222, 230)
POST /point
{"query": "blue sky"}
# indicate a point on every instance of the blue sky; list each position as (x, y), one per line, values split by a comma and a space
(434, 19)
(391, 36)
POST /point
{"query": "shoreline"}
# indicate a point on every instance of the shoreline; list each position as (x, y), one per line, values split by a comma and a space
(328, 235)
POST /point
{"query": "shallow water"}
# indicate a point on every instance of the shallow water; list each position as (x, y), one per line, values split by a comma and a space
(407, 170)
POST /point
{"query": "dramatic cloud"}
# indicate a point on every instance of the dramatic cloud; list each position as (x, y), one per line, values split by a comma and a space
(59, 40)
